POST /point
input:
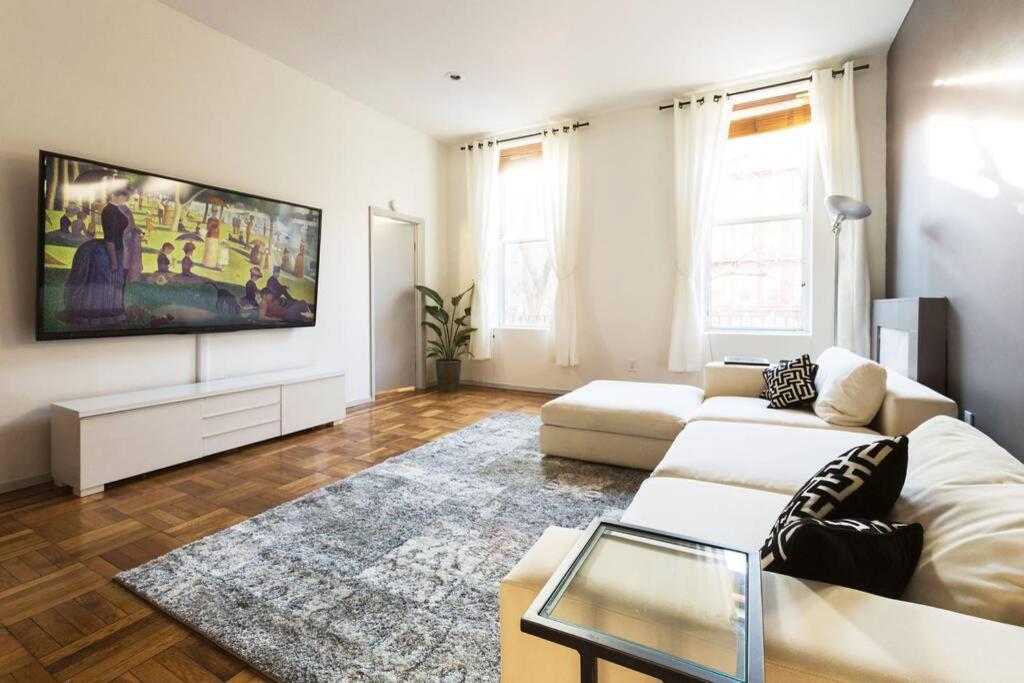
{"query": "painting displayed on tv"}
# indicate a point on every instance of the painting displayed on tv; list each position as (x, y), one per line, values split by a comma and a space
(125, 252)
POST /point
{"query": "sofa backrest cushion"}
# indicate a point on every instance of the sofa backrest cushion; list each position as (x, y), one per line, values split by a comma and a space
(850, 388)
(968, 494)
(945, 451)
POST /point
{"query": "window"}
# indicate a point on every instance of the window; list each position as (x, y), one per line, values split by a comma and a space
(760, 236)
(527, 291)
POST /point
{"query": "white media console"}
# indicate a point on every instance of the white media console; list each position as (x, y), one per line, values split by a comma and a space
(95, 441)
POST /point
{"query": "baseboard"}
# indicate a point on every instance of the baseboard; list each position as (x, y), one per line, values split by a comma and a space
(516, 387)
(24, 483)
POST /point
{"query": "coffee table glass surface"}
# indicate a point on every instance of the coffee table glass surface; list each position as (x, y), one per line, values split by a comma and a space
(670, 606)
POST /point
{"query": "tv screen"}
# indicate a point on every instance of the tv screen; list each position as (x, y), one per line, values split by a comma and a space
(127, 252)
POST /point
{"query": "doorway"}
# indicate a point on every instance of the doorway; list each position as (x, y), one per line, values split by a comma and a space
(396, 338)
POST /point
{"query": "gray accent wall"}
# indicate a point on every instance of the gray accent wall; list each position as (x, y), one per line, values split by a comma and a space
(956, 194)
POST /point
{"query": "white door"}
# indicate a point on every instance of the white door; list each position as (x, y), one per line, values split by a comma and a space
(394, 304)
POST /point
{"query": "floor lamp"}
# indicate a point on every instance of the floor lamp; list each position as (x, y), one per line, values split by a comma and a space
(841, 207)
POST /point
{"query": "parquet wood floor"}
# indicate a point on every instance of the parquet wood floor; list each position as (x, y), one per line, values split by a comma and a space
(63, 618)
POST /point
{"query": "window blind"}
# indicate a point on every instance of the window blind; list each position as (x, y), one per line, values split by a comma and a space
(770, 114)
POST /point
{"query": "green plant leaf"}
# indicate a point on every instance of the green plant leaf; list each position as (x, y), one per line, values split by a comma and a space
(461, 335)
(430, 294)
(434, 353)
(458, 297)
(433, 327)
(437, 313)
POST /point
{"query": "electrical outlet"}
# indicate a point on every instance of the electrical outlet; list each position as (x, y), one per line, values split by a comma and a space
(632, 365)
(969, 417)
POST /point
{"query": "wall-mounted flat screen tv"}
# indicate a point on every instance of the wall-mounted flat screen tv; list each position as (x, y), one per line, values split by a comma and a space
(128, 252)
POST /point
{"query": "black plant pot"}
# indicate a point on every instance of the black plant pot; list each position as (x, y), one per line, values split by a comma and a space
(448, 372)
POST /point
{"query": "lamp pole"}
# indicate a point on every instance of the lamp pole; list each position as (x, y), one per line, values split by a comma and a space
(837, 226)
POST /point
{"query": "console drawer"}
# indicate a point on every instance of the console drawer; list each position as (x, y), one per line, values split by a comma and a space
(242, 400)
(241, 437)
(240, 419)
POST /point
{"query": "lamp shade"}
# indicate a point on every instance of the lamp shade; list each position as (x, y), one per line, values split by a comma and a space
(848, 207)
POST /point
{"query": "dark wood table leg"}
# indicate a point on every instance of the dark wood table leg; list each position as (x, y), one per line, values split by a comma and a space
(588, 668)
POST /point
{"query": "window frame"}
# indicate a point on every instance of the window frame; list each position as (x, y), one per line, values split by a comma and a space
(805, 215)
(514, 154)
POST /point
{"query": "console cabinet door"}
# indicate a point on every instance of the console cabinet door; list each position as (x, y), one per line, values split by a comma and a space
(311, 404)
(120, 445)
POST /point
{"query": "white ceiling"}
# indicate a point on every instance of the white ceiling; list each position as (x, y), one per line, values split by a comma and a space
(528, 61)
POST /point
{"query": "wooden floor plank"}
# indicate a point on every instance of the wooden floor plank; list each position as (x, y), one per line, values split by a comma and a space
(184, 667)
(47, 591)
(34, 639)
(63, 618)
(151, 671)
(12, 655)
(32, 673)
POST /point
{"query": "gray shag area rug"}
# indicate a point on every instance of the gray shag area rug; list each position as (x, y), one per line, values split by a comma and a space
(391, 574)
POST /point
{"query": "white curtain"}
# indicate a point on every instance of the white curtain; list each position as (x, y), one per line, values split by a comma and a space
(835, 130)
(701, 130)
(562, 228)
(482, 214)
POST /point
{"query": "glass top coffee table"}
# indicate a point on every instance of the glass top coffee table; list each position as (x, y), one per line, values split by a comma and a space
(668, 606)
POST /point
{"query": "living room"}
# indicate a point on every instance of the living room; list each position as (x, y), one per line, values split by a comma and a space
(375, 341)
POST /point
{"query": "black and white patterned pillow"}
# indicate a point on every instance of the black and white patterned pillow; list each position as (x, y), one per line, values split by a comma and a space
(863, 483)
(873, 556)
(790, 383)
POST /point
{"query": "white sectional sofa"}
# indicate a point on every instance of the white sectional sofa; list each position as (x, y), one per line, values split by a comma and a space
(727, 475)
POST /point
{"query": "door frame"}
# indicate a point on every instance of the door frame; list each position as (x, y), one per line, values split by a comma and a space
(419, 268)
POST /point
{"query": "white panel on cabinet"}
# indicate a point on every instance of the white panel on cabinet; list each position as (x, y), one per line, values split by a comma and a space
(311, 404)
(125, 444)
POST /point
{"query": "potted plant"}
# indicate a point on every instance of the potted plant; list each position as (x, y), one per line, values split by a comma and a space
(453, 334)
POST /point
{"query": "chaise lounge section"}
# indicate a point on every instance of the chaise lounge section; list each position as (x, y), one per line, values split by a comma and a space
(631, 424)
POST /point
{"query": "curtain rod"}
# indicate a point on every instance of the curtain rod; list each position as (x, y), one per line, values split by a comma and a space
(835, 72)
(533, 135)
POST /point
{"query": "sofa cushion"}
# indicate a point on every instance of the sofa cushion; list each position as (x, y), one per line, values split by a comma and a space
(658, 411)
(758, 456)
(790, 383)
(873, 556)
(717, 513)
(945, 451)
(755, 410)
(968, 493)
(624, 450)
(850, 388)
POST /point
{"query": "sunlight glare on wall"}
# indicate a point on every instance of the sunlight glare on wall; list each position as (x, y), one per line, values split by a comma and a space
(1003, 143)
(984, 78)
(954, 156)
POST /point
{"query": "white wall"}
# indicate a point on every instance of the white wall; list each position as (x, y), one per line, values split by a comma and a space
(626, 260)
(136, 83)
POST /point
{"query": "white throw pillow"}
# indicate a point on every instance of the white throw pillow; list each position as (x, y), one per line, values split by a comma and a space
(850, 388)
(968, 494)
